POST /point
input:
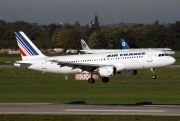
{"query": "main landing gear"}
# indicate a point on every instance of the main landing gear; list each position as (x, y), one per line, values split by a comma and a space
(153, 73)
(92, 80)
(105, 79)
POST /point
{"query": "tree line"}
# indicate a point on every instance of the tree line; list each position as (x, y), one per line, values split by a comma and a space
(97, 36)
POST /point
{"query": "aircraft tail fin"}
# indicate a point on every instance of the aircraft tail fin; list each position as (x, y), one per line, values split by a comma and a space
(124, 44)
(84, 45)
(27, 49)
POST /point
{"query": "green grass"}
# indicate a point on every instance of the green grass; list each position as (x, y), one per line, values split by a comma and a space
(177, 54)
(86, 118)
(22, 85)
(9, 58)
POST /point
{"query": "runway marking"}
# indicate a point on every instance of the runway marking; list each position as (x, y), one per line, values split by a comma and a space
(94, 110)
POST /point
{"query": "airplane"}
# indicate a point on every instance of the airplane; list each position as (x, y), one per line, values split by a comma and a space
(124, 44)
(125, 47)
(165, 50)
(84, 45)
(86, 49)
(104, 64)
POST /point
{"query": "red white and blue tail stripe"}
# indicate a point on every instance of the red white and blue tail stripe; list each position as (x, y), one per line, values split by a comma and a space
(27, 49)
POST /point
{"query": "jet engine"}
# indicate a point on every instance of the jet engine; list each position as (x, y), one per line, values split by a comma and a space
(107, 71)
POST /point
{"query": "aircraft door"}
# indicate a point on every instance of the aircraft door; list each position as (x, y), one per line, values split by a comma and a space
(149, 57)
(43, 64)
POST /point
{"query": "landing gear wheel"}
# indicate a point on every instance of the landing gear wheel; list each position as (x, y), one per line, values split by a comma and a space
(91, 80)
(154, 76)
(105, 79)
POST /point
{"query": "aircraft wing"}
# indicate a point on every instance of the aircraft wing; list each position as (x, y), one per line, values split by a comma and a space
(83, 66)
(87, 66)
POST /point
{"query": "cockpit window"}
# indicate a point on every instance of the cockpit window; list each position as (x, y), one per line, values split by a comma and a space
(160, 55)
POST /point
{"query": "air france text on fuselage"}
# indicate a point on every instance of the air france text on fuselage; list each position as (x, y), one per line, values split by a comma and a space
(126, 54)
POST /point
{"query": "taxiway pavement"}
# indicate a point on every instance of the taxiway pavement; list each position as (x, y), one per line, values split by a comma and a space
(89, 109)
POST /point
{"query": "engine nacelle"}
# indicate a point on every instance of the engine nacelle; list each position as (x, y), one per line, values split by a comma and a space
(107, 71)
(129, 72)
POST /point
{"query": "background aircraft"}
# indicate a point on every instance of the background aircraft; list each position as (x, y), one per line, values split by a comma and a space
(165, 50)
(105, 64)
(86, 49)
(125, 47)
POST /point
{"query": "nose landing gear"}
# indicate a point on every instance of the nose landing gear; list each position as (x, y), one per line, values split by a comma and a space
(153, 73)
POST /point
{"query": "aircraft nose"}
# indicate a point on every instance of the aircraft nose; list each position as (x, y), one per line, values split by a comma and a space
(172, 60)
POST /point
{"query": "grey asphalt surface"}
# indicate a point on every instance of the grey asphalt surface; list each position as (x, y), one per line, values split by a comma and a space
(89, 109)
(7, 66)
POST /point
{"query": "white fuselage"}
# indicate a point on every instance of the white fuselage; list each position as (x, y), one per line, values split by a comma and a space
(96, 51)
(127, 60)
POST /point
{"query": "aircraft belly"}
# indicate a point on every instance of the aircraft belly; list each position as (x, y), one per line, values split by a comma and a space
(67, 70)
(134, 65)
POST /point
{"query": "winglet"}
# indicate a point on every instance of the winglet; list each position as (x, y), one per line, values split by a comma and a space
(124, 44)
(27, 49)
(84, 45)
